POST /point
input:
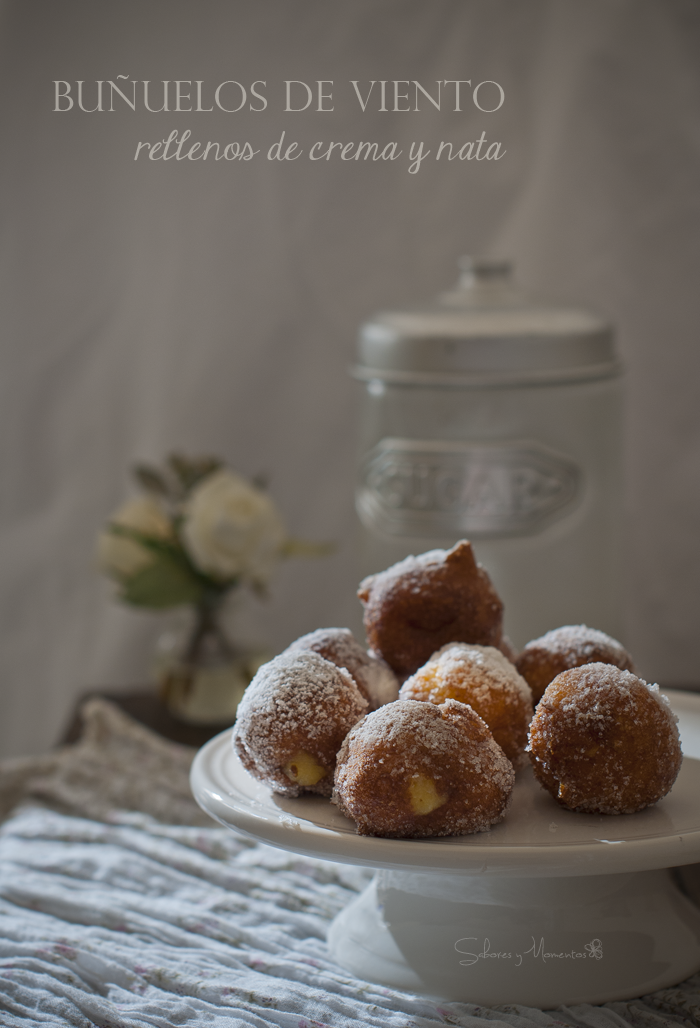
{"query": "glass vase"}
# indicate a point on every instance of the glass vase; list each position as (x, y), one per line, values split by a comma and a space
(201, 673)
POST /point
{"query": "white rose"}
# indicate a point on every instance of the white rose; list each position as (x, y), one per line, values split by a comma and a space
(120, 557)
(232, 529)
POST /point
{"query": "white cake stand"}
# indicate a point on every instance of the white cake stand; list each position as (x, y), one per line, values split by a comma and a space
(548, 907)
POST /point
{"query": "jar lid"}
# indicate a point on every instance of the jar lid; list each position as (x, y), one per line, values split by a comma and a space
(486, 331)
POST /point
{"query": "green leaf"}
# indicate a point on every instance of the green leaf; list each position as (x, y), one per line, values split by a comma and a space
(154, 543)
(164, 583)
(173, 551)
(151, 479)
(302, 548)
(189, 471)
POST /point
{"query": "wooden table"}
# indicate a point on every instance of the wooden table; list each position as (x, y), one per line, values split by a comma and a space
(145, 706)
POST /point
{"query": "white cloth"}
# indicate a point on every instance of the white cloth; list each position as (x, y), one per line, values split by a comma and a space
(133, 923)
(212, 307)
(117, 764)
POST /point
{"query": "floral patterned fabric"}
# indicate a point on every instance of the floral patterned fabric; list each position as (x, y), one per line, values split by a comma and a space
(114, 917)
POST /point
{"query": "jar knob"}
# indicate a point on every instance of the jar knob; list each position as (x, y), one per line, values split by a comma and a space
(483, 270)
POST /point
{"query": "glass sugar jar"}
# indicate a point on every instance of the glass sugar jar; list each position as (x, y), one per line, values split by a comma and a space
(496, 417)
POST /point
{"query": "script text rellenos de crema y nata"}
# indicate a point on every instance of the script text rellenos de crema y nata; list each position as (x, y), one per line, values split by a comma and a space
(177, 147)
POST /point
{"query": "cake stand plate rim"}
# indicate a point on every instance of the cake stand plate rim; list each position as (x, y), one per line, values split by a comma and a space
(217, 775)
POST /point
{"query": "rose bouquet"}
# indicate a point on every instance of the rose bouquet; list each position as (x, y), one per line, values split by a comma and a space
(198, 531)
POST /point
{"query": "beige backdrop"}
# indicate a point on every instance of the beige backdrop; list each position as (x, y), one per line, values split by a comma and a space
(213, 307)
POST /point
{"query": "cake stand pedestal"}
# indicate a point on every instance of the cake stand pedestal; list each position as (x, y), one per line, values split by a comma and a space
(547, 908)
(540, 942)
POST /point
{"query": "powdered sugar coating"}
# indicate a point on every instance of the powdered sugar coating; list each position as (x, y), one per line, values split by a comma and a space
(603, 740)
(376, 680)
(296, 702)
(411, 565)
(568, 647)
(424, 602)
(447, 744)
(578, 639)
(485, 679)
